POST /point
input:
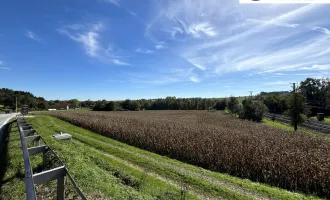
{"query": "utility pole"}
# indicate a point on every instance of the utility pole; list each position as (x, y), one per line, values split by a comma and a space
(251, 93)
(16, 104)
(295, 115)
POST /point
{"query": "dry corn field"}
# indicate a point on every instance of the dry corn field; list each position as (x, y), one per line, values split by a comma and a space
(220, 142)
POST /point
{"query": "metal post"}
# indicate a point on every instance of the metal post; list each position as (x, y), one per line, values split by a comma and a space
(29, 184)
(60, 188)
(43, 160)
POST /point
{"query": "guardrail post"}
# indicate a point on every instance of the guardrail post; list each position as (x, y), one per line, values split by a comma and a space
(58, 174)
(60, 188)
(43, 160)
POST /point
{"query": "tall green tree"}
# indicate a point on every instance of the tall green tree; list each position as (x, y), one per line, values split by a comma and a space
(296, 109)
(253, 110)
(75, 102)
(110, 106)
(275, 103)
(232, 103)
(314, 90)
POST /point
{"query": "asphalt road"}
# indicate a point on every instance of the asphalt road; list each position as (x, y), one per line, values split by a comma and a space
(4, 118)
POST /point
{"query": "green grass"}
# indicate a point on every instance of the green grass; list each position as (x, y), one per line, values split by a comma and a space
(94, 170)
(277, 124)
(148, 175)
(11, 166)
(287, 127)
(327, 119)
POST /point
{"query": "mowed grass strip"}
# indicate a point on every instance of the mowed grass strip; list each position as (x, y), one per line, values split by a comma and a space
(11, 165)
(200, 181)
(100, 176)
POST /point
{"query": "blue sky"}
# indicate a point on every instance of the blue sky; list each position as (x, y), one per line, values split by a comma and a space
(118, 49)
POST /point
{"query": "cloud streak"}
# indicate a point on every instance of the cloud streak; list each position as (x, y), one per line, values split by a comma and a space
(114, 2)
(89, 37)
(284, 39)
(144, 51)
(2, 67)
(32, 36)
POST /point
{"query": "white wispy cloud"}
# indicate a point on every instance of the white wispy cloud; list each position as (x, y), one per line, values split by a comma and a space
(4, 68)
(235, 38)
(159, 81)
(194, 79)
(317, 67)
(194, 62)
(167, 76)
(321, 29)
(202, 29)
(118, 62)
(159, 46)
(90, 42)
(132, 13)
(274, 22)
(32, 36)
(115, 2)
(89, 36)
(145, 51)
(279, 83)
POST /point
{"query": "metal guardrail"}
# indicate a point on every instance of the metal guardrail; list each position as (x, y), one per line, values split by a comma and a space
(27, 134)
(311, 124)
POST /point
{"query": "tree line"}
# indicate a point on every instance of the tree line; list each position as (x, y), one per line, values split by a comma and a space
(168, 103)
(8, 100)
(311, 96)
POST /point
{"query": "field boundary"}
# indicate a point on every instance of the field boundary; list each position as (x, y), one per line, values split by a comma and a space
(313, 125)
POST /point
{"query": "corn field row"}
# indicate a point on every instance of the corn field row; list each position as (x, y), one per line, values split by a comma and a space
(219, 142)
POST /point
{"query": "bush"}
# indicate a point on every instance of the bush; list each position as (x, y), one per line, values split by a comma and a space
(221, 105)
(253, 110)
(110, 106)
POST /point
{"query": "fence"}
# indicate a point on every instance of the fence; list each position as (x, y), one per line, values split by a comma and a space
(322, 127)
(48, 173)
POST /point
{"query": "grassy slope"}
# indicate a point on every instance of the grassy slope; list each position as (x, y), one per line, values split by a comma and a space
(149, 175)
(99, 175)
(12, 167)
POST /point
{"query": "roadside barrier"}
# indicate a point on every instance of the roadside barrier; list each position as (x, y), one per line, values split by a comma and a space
(49, 159)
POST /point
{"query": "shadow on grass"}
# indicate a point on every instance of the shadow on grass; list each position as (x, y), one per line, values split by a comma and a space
(4, 139)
